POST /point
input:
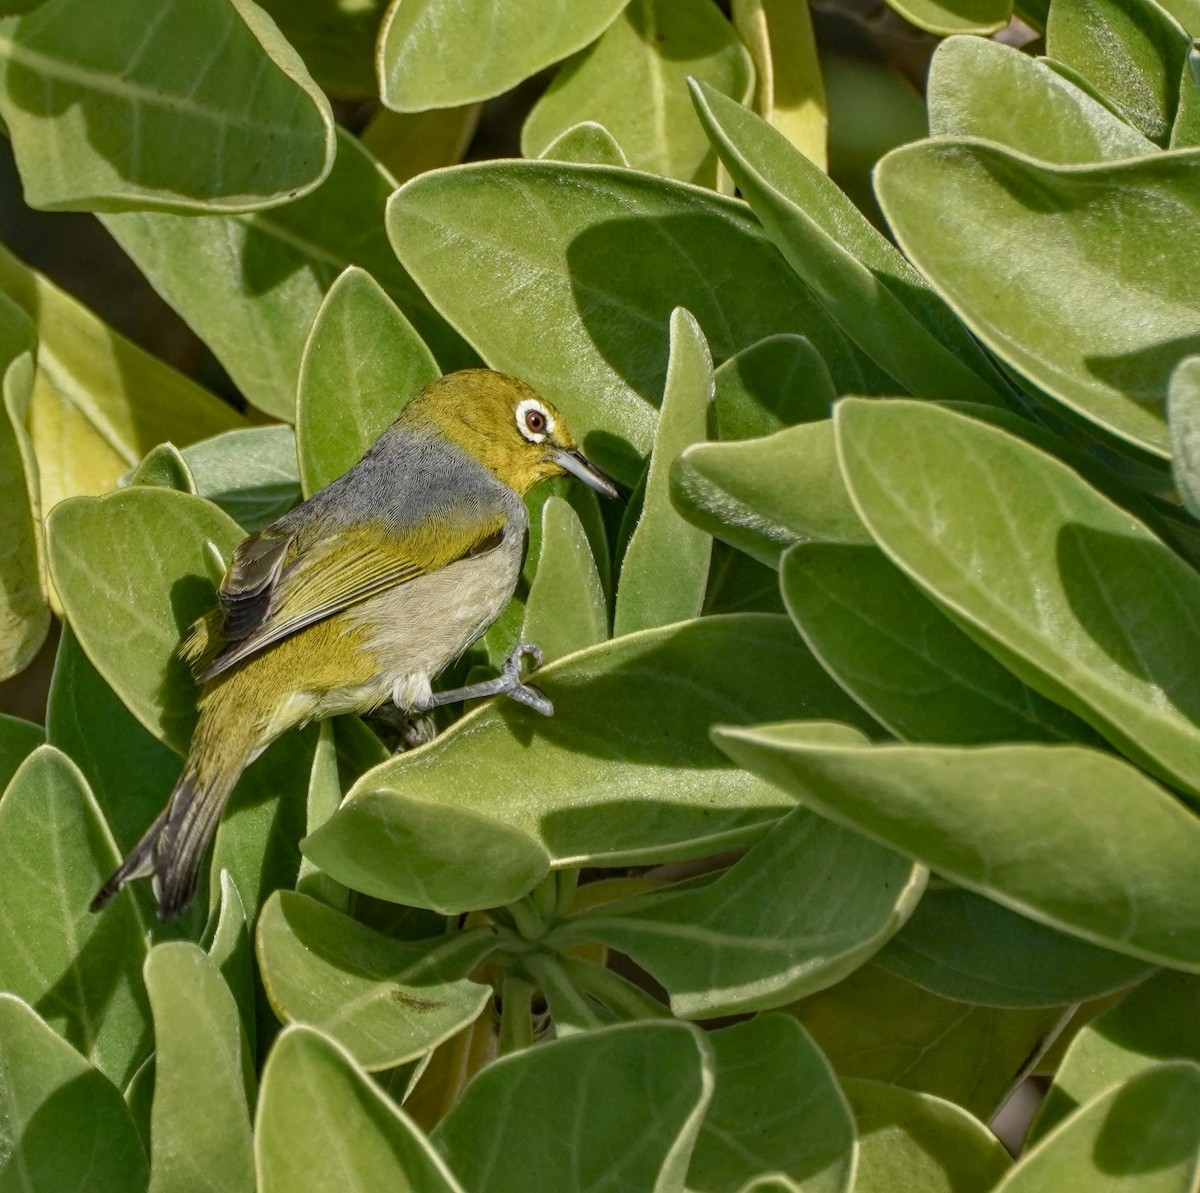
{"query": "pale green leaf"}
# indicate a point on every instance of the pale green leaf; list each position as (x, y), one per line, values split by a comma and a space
(1183, 410)
(251, 474)
(586, 143)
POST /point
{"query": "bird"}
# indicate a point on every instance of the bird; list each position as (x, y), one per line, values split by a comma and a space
(361, 596)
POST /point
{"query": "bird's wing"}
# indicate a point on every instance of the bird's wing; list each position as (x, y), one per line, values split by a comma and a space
(277, 584)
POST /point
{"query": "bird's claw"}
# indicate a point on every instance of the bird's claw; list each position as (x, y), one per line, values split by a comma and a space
(524, 693)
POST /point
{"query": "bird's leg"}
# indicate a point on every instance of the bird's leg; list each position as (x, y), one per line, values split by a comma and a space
(508, 683)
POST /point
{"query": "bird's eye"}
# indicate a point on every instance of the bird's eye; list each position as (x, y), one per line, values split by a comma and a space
(535, 421)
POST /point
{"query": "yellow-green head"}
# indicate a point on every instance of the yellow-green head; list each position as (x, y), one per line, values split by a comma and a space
(505, 425)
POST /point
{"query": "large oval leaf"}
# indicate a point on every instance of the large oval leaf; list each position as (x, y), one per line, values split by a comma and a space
(573, 300)
(1073, 594)
(1004, 821)
(1098, 305)
(183, 105)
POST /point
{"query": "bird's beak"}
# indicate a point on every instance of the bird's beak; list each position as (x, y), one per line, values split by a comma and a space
(578, 465)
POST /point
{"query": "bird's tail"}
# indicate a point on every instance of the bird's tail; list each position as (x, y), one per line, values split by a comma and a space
(173, 847)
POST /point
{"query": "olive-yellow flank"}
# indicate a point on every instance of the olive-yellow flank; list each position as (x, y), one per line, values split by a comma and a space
(362, 595)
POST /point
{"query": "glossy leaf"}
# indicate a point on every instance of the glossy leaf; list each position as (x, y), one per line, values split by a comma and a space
(1146, 1131)
(361, 364)
(251, 474)
(1156, 1021)
(622, 774)
(24, 615)
(1074, 595)
(1091, 312)
(66, 1127)
(614, 1108)
(408, 143)
(633, 81)
(586, 143)
(250, 285)
(788, 91)
(913, 1140)
(384, 1000)
(664, 571)
(879, 1027)
(79, 971)
(806, 906)
(904, 660)
(1003, 821)
(1044, 115)
(776, 1108)
(765, 495)
(323, 1124)
(572, 301)
(566, 609)
(877, 298)
(428, 49)
(200, 1121)
(1184, 410)
(104, 121)
(1131, 51)
(18, 739)
(962, 946)
(133, 574)
(99, 403)
(773, 384)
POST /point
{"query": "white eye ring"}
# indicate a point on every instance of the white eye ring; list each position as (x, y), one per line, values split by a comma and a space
(534, 421)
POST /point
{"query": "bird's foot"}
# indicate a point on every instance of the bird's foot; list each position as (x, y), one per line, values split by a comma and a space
(515, 688)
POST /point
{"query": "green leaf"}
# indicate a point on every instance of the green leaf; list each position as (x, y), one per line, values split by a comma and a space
(130, 771)
(1185, 132)
(877, 298)
(1154, 1022)
(665, 568)
(877, 1026)
(324, 798)
(251, 474)
(905, 661)
(734, 945)
(188, 105)
(586, 143)
(776, 1108)
(200, 1121)
(384, 1000)
(24, 614)
(99, 403)
(765, 495)
(163, 467)
(66, 1127)
(79, 971)
(250, 285)
(429, 50)
(1131, 51)
(573, 301)
(1092, 312)
(962, 946)
(132, 572)
(633, 81)
(1144, 1134)
(1183, 408)
(773, 384)
(1069, 591)
(788, 91)
(336, 41)
(622, 774)
(945, 17)
(323, 1124)
(1003, 821)
(910, 1140)
(233, 954)
(409, 143)
(1043, 115)
(614, 1108)
(566, 609)
(18, 739)
(362, 362)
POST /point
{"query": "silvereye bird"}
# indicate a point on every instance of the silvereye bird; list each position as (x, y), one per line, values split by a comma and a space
(362, 595)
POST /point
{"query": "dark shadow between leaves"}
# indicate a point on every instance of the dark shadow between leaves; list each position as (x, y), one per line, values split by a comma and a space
(1107, 579)
(1143, 375)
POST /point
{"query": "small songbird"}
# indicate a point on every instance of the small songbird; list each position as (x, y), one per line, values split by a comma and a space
(362, 595)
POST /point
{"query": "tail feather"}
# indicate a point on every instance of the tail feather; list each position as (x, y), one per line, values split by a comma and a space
(172, 850)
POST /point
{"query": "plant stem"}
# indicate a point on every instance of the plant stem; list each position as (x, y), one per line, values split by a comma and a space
(569, 1008)
(615, 992)
(516, 1013)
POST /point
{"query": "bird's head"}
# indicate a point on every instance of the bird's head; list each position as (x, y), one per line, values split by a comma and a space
(507, 426)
